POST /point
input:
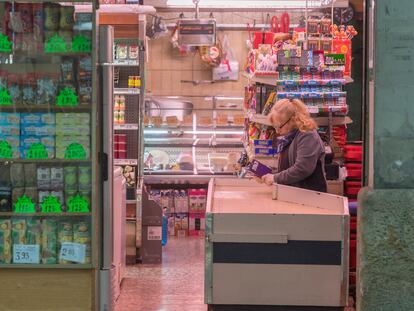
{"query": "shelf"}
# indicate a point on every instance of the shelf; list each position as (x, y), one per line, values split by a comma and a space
(122, 64)
(310, 95)
(44, 108)
(324, 121)
(311, 82)
(47, 266)
(131, 201)
(132, 162)
(11, 214)
(126, 127)
(263, 79)
(46, 161)
(127, 91)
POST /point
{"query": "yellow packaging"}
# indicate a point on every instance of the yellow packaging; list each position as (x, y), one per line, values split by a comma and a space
(82, 235)
(19, 231)
(65, 234)
(5, 241)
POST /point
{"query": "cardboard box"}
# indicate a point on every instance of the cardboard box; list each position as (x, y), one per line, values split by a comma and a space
(10, 130)
(72, 118)
(38, 130)
(336, 187)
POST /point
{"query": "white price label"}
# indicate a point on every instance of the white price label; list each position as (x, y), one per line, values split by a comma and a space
(28, 254)
(75, 252)
(155, 233)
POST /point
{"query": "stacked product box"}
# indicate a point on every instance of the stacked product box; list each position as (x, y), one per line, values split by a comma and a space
(72, 128)
(263, 147)
(37, 129)
(120, 146)
(10, 131)
(197, 211)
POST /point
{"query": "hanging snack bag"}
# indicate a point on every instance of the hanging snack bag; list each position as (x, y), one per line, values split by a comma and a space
(82, 235)
(5, 241)
(65, 234)
(49, 241)
(34, 232)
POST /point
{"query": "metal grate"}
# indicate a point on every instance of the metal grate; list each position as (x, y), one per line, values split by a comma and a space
(131, 109)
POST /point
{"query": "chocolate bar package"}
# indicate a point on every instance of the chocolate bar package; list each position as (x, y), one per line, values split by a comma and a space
(258, 168)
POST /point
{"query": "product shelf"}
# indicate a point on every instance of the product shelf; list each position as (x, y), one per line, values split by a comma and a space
(46, 161)
(43, 108)
(310, 95)
(126, 127)
(47, 266)
(132, 162)
(63, 214)
(127, 91)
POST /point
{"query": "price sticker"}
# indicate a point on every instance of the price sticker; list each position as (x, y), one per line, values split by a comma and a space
(26, 254)
(75, 252)
(154, 233)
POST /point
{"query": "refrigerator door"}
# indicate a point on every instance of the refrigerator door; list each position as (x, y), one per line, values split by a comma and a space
(106, 35)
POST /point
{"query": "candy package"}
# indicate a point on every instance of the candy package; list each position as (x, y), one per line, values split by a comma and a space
(49, 241)
(5, 241)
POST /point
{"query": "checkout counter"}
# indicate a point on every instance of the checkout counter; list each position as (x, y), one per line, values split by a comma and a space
(275, 248)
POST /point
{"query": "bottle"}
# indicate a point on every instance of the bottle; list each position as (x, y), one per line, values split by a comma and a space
(164, 227)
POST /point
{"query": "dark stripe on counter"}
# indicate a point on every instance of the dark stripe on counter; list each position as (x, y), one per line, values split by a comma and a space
(294, 252)
(270, 308)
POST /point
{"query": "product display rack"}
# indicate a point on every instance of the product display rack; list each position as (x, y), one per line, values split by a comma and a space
(49, 183)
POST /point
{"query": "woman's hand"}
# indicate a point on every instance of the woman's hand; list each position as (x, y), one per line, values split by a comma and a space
(268, 179)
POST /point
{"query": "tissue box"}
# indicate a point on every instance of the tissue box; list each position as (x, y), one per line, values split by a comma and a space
(38, 130)
(38, 118)
(47, 141)
(9, 130)
(72, 118)
(7, 118)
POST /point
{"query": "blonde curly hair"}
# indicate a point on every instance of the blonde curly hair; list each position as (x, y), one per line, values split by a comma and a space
(295, 110)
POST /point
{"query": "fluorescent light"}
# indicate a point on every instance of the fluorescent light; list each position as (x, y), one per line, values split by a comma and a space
(247, 3)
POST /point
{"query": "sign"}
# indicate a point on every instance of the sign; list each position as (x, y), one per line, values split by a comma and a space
(201, 32)
(50, 204)
(78, 204)
(24, 204)
(67, 98)
(56, 44)
(5, 98)
(26, 254)
(154, 233)
(37, 151)
(75, 151)
(74, 252)
(81, 44)
(6, 151)
(5, 44)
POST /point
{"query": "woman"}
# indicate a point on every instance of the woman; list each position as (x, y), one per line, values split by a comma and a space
(301, 150)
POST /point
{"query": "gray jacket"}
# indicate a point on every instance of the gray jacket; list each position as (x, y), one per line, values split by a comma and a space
(304, 152)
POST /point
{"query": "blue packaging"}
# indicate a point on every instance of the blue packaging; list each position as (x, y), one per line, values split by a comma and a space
(9, 118)
(27, 141)
(264, 151)
(38, 118)
(263, 142)
(14, 141)
(38, 130)
(10, 130)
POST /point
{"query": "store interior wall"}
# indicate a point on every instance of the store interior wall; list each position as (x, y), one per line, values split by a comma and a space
(166, 67)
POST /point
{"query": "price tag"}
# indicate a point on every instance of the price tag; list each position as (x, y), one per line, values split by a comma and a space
(28, 254)
(75, 252)
(154, 233)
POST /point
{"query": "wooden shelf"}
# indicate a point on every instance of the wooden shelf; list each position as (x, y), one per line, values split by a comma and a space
(44, 108)
(11, 214)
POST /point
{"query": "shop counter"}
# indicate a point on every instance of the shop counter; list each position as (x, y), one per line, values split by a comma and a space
(275, 248)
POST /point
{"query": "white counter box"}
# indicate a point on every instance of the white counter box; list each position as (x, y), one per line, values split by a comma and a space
(286, 254)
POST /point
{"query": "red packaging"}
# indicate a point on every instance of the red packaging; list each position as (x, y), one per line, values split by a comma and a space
(116, 154)
(116, 138)
(122, 155)
(122, 138)
(116, 146)
(262, 38)
(121, 146)
(344, 46)
(26, 15)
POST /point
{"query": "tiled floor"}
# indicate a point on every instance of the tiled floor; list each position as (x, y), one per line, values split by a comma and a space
(176, 285)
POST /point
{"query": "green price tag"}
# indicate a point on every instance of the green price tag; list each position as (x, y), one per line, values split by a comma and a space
(6, 151)
(81, 44)
(37, 151)
(78, 204)
(56, 44)
(24, 204)
(67, 98)
(5, 44)
(75, 151)
(5, 98)
(50, 204)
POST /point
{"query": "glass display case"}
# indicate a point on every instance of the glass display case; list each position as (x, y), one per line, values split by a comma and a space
(48, 155)
(181, 139)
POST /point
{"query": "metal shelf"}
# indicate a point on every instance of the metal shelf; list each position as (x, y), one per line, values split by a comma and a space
(132, 162)
(127, 91)
(126, 127)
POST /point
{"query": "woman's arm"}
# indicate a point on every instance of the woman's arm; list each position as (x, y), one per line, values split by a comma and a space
(307, 155)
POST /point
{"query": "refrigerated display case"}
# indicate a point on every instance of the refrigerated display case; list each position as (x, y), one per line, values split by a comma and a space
(49, 166)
